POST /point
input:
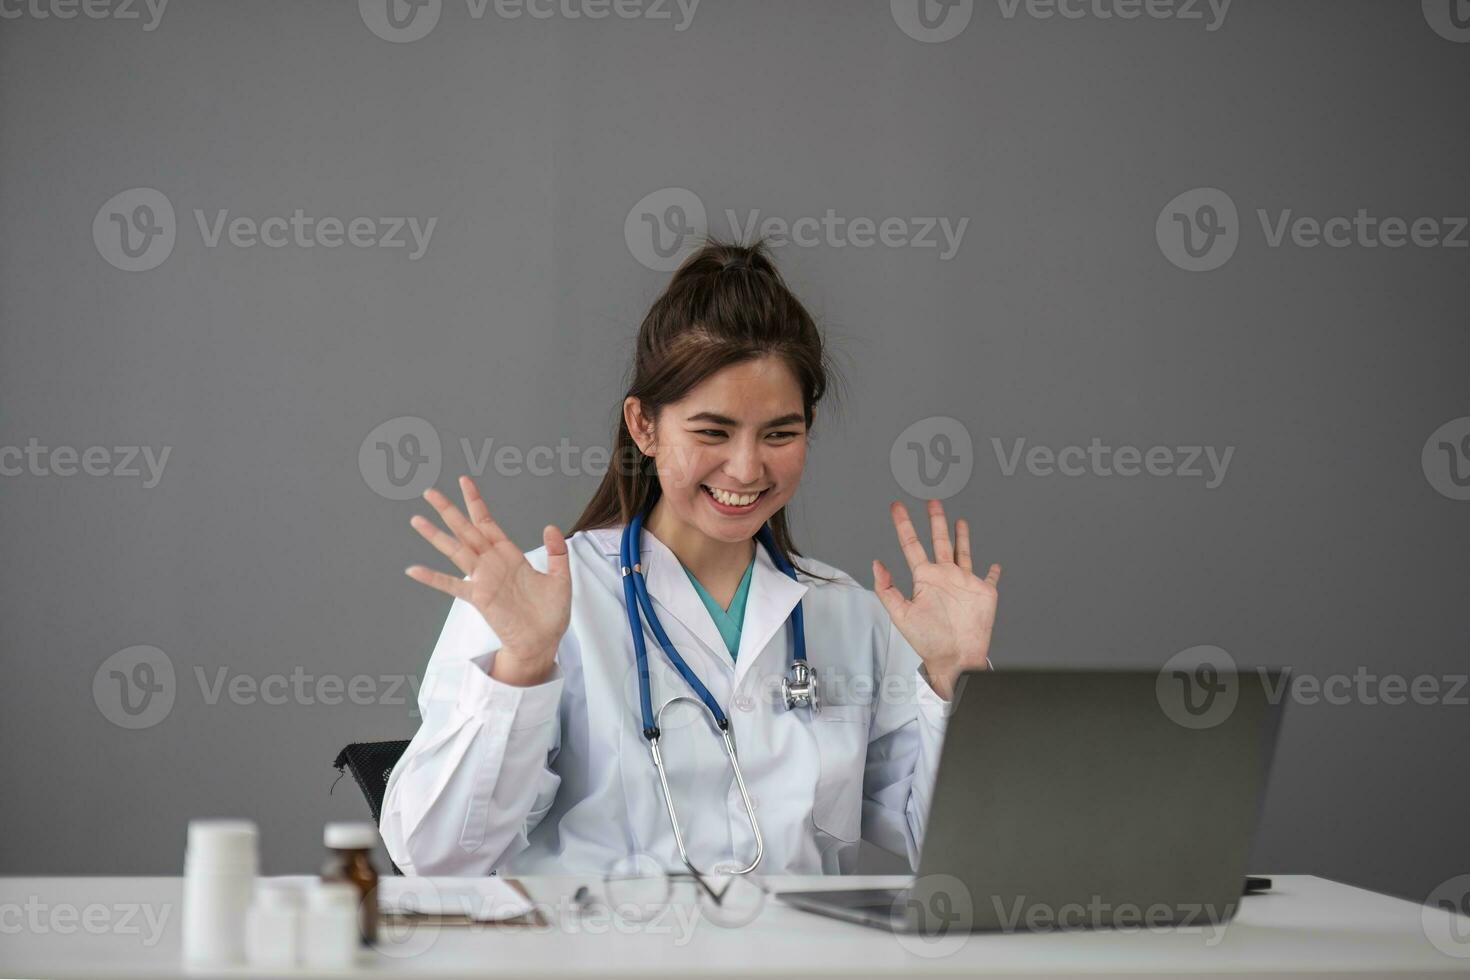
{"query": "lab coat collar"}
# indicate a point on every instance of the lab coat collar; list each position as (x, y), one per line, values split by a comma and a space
(771, 598)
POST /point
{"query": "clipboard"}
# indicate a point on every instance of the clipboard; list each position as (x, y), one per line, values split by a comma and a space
(532, 918)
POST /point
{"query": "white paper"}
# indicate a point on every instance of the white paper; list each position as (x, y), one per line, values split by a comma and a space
(481, 899)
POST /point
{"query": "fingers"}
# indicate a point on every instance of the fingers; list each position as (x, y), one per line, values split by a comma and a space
(480, 513)
(456, 521)
(959, 552)
(448, 584)
(908, 539)
(556, 552)
(939, 531)
(888, 594)
(447, 545)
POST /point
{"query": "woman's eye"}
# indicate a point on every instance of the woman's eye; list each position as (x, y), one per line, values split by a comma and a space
(720, 434)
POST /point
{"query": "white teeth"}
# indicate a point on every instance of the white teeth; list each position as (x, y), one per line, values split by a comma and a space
(733, 499)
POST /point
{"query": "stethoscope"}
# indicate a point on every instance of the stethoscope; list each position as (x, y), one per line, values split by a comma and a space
(798, 689)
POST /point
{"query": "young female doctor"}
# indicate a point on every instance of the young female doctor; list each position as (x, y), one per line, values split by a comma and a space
(666, 684)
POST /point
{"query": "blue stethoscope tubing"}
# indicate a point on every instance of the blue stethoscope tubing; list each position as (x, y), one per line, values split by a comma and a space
(635, 596)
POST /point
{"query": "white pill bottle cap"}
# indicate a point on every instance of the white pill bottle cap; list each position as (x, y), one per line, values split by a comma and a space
(350, 836)
(222, 846)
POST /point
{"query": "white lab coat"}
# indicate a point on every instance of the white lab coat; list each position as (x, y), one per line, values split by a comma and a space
(558, 777)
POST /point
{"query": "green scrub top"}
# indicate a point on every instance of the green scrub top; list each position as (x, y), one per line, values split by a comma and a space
(727, 621)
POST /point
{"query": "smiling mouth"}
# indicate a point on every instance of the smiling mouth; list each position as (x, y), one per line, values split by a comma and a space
(733, 501)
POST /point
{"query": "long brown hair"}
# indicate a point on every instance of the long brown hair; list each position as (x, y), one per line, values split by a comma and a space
(725, 304)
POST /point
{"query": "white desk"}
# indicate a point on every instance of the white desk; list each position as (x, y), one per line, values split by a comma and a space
(1306, 925)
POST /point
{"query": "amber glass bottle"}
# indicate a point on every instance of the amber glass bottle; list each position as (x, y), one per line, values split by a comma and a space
(351, 861)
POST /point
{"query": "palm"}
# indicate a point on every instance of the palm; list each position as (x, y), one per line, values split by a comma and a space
(950, 606)
(524, 607)
(950, 618)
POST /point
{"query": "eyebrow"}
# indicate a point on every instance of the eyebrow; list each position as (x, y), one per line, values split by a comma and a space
(792, 419)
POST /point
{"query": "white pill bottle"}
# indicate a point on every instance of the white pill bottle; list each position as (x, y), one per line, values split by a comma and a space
(220, 864)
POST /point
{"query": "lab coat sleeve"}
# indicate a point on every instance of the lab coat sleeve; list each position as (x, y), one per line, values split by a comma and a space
(903, 750)
(477, 778)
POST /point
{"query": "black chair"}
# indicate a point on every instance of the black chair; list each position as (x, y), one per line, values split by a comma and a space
(371, 763)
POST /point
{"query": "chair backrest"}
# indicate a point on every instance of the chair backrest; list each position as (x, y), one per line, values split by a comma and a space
(370, 764)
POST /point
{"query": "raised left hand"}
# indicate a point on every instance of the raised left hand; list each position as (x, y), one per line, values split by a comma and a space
(952, 614)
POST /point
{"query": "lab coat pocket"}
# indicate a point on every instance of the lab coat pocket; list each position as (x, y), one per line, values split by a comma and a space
(841, 732)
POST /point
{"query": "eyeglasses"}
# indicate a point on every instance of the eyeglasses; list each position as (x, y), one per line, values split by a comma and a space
(640, 890)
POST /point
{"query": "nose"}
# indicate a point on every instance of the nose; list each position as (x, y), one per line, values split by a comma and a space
(744, 464)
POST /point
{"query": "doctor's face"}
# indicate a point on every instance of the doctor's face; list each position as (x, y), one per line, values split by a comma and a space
(730, 453)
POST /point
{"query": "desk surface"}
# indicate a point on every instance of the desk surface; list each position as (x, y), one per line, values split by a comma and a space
(129, 927)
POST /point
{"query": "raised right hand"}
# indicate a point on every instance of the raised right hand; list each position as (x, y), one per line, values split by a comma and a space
(528, 610)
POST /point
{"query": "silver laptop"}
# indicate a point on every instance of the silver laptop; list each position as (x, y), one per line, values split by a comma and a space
(1085, 798)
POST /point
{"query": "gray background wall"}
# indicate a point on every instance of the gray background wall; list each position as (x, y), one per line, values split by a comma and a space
(266, 549)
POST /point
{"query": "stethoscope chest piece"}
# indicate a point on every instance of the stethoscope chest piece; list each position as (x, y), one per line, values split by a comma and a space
(800, 688)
